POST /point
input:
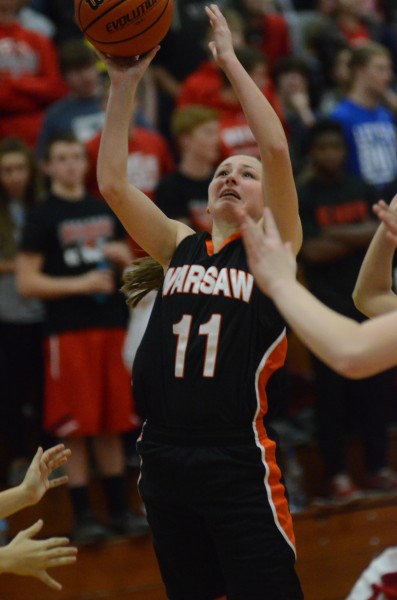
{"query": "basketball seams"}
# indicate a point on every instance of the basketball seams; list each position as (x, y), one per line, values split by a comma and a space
(100, 16)
(132, 37)
(124, 28)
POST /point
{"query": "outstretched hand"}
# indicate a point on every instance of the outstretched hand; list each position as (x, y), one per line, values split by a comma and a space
(388, 215)
(25, 556)
(222, 43)
(271, 261)
(133, 69)
(37, 481)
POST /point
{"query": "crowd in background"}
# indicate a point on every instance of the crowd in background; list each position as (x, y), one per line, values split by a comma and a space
(329, 69)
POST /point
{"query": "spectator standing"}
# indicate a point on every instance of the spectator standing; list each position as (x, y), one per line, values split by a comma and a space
(182, 195)
(336, 217)
(30, 79)
(369, 127)
(71, 247)
(81, 111)
(21, 319)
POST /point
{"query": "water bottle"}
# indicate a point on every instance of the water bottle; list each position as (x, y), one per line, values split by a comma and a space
(294, 481)
(3, 532)
(101, 297)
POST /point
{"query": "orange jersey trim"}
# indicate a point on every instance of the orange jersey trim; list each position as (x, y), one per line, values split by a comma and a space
(210, 245)
(271, 361)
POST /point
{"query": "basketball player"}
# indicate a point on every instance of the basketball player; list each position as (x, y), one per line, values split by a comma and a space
(353, 349)
(23, 555)
(210, 477)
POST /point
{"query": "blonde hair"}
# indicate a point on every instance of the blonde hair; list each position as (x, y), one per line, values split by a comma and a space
(144, 275)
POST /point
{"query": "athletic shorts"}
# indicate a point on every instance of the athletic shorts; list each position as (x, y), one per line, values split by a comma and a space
(217, 527)
(87, 386)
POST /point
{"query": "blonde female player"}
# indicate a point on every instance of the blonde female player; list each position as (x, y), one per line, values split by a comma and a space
(210, 476)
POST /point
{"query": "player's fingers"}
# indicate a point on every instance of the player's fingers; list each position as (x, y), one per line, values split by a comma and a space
(59, 481)
(62, 561)
(270, 224)
(53, 452)
(31, 531)
(392, 237)
(57, 541)
(49, 581)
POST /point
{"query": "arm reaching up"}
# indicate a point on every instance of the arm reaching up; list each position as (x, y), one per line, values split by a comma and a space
(145, 223)
(373, 294)
(352, 349)
(279, 192)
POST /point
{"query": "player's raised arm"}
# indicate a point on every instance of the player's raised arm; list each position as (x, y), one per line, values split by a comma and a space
(278, 183)
(145, 223)
(373, 294)
(352, 349)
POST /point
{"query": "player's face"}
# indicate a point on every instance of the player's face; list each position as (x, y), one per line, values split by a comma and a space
(14, 174)
(237, 181)
(67, 164)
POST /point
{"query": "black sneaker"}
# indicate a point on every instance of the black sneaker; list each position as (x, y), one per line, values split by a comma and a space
(129, 524)
(88, 530)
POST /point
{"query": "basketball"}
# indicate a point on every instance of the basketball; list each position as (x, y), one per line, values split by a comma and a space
(124, 28)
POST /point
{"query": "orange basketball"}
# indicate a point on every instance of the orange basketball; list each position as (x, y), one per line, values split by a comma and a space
(124, 28)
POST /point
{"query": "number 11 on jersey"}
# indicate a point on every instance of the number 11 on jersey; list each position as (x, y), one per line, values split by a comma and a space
(182, 330)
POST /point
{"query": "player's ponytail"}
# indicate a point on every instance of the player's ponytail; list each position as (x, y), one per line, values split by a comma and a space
(144, 275)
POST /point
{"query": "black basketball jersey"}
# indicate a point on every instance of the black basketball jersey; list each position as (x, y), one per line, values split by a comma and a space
(211, 344)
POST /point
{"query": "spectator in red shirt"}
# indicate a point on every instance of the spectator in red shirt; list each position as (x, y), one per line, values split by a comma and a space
(30, 79)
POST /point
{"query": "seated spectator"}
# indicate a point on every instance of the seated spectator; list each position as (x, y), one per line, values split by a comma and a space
(29, 76)
(81, 111)
(182, 195)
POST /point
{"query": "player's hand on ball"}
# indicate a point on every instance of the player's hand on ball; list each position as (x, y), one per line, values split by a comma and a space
(132, 68)
(25, 556)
